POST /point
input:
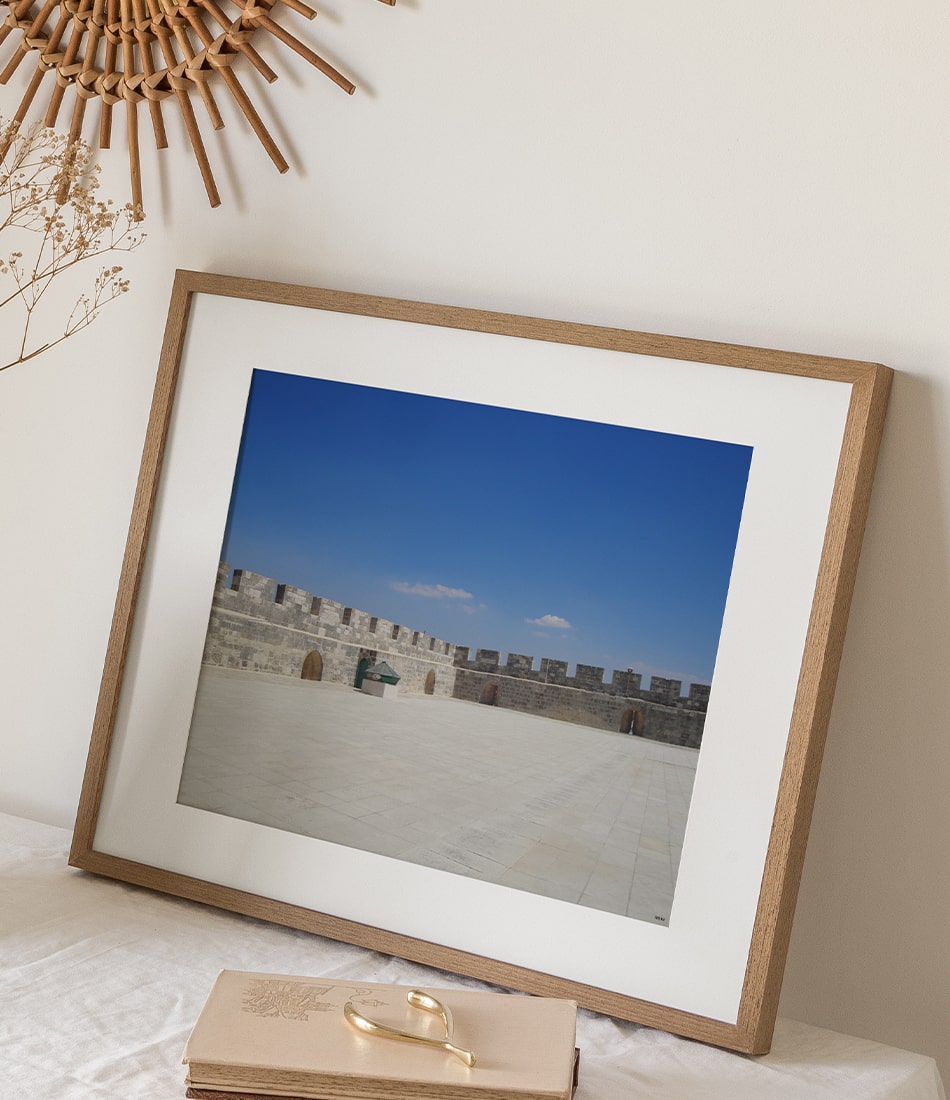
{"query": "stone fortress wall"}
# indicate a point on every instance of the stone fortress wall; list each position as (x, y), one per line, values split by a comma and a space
(261, 626)
(660, 713)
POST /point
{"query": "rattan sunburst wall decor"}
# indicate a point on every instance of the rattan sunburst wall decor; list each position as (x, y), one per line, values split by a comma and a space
(147, 51)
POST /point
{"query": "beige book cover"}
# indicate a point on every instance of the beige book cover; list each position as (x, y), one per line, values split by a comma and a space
(282, 1035)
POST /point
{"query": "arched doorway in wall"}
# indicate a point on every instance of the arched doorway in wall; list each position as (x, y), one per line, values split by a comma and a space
(632, 721)
(429, 686)
(312, 667)
(489, 695)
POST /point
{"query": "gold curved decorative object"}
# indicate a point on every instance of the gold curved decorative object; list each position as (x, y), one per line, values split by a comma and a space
(417, 999)
(148, 51)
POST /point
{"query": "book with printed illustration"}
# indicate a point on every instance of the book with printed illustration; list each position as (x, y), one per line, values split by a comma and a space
(266, 1035)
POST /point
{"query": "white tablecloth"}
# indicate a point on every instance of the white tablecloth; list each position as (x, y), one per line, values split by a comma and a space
(101, 982)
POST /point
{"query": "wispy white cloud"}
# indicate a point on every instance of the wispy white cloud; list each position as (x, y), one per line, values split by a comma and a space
(551, 622)
(434, 591)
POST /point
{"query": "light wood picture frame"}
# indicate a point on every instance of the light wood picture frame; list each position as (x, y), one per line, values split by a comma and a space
(812, 425)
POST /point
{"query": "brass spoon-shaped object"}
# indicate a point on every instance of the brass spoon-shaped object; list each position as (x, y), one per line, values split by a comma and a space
(427, 1003)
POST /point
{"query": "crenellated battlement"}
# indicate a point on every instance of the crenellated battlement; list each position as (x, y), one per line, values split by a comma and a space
(586, 678)
(263, 597)
(261, 625)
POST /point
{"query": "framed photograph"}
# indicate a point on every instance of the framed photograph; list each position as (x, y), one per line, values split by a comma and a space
(501, 644)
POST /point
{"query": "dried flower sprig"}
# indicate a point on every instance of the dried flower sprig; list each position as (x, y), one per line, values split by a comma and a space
(52, 216)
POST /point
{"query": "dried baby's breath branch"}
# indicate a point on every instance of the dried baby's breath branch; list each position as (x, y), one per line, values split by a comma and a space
(52, 217)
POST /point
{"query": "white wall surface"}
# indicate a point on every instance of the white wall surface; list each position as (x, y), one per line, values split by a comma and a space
(756, 173)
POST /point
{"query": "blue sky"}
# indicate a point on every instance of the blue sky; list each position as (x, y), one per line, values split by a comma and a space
(489, 527)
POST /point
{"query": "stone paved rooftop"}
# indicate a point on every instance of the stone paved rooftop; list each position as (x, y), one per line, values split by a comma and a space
(550, 807)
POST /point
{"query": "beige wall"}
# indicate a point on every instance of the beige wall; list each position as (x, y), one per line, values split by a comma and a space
(758, 173)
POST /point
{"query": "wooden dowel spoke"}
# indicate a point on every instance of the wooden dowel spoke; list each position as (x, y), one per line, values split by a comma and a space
(254, 119)
(79, 107)
(188, 114)
(306, 53)
(135, 165)
(75, 125)
(69, 59)
(72, 147)
(17, 12)
(241, 97)
(127, 35)
(53, 45)
(112, 49)
(32, 33)
(204, 89)
(28, 96)
(144, 38)
(300, 8)
(257, 61)
(42, 15)
(214, 10)
(201, 156)
(6, 139)
(12, 65)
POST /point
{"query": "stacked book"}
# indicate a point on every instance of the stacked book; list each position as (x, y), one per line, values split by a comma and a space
(266, 1035)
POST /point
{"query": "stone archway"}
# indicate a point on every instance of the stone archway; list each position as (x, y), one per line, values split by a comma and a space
(312, 667)
(632, 721)
(489, 695)
(429, 686)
